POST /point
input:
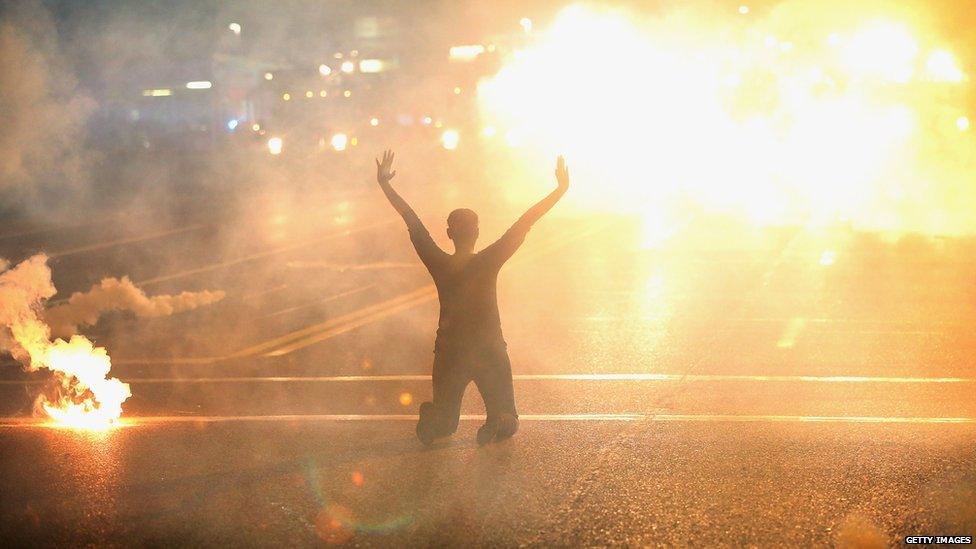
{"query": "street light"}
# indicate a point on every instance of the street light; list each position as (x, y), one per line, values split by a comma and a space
(450, 139)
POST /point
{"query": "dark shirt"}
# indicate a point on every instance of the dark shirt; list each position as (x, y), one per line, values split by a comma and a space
(466, 285)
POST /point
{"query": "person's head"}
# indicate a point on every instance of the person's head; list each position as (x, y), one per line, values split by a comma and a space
(462, 228)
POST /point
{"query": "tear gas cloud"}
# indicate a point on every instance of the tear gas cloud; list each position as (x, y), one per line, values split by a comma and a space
(258, 123)
(86, 396)
(113, 294)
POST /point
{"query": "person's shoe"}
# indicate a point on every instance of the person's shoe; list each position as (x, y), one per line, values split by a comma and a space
(487, 432)
(507, 425)
(426, 424)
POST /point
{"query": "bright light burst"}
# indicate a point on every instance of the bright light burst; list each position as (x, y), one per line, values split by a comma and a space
(89, 399)
(694, 109)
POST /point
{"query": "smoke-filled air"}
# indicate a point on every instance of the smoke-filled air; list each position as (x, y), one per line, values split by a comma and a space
(859, 114)
(487, 273)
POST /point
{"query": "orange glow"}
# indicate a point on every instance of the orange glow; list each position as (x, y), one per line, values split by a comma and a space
(839, 120)
(86, 398)
(89, 399)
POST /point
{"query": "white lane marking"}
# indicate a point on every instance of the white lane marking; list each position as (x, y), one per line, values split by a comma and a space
(261, 254)
(12, 422)
(321, 301)
(263, 292)
(548, 377)
(113, 218)
(344, 267)
(809, 419)
(130, 240)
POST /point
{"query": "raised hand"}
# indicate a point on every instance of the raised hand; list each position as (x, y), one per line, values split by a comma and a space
(384, 169)
(562, 173)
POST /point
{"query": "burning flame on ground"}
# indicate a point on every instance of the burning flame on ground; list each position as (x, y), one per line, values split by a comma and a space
(89, 399)
(86, 397)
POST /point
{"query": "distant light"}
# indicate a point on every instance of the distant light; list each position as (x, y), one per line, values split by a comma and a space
(488, 131)
(354, 141)
(348, 66)
(526, 24)
(963, 123)
(450, 139)
(268, 76)
(199, 85)
(286, 96)
(161, 92)
(232, 124)
(309, 94)
(235, 28)
(438, 124)
(457, 90)
(828, 257)
(426, 120)
(353, 53)
(339, 141)
(743, 9)
(325, 70)
(255, 127)
(374, 122)
(347, 93)
(323, 93)
(274, 145)
(406, 399)
(372, 65)
(465, 53)
(337, 55)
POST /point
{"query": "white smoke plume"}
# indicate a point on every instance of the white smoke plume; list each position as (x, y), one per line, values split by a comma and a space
(87, 397)
(23, 290)
(113, 294)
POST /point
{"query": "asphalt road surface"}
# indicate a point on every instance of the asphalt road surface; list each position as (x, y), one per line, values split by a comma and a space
(725, 386)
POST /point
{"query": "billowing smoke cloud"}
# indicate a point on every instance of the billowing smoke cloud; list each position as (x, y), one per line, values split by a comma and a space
(113, 294)
(44, 111)
(23, 289)
(87, 397)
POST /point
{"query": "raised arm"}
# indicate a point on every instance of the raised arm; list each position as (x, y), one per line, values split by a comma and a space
(426, 248)
(541, 207)
(505, 246)
(384, 173)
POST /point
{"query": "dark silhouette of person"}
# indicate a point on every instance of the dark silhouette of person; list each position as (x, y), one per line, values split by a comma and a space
(469, 345)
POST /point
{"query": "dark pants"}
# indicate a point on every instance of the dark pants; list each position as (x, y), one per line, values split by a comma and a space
(456, 365)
